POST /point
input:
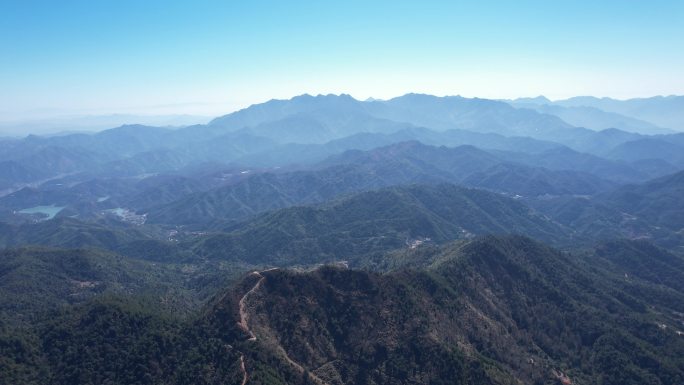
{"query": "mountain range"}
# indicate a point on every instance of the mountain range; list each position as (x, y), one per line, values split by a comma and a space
(313, 122)
(328, 240)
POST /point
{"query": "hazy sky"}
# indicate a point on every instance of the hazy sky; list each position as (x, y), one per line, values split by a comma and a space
(211, 57)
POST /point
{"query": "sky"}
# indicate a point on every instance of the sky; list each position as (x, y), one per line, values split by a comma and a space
(213, 57)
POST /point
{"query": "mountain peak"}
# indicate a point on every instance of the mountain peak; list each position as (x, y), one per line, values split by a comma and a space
(541, 99)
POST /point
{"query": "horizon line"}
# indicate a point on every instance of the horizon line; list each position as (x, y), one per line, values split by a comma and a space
(46, 113)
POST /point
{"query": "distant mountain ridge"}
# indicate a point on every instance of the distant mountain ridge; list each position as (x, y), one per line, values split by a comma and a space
(596, 119)
(308, 128)
(663, 111)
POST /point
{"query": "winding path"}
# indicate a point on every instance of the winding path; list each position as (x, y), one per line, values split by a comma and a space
(244, 317)
(244, 325)
(244, 370)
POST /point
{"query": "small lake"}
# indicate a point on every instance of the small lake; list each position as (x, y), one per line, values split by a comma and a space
(50, 211)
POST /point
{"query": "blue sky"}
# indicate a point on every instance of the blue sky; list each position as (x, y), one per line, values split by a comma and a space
(211, 57)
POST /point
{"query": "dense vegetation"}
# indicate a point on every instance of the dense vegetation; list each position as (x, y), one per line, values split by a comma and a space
(489, 310)
(377, 221)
